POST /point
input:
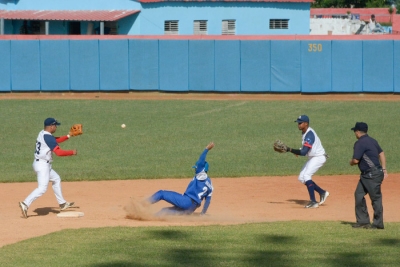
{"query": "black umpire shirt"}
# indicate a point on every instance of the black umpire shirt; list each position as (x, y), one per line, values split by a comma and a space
(367, 150)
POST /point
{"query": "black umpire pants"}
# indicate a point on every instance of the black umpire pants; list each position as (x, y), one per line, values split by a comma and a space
(370, 183)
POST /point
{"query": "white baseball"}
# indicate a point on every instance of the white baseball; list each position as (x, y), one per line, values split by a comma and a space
(123, 125)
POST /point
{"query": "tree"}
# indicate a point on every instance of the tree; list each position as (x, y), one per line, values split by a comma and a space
(356, 3)
(397, 4)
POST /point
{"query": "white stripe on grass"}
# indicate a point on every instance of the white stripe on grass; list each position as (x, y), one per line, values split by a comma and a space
(215, 110)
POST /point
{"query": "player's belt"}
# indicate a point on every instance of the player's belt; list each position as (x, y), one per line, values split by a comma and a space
(47, 161)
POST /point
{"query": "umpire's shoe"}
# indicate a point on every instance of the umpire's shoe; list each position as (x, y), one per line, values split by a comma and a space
(66, 205)
(24, 209)
(362, 225)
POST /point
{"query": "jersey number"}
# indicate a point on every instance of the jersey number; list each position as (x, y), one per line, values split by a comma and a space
(38, 144)
(201, 194)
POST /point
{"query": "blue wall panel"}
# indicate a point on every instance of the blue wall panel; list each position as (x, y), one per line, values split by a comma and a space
(378, 66)
(201, 65)
(5, 68)
(174, 65)
(396, 66)
(227, 66)
(84, 65)
(143, 64)
(255, 66)
(54, 62)
(316, 66)
(347, 66)
(25, 65)
(285, 66)
(114, 74)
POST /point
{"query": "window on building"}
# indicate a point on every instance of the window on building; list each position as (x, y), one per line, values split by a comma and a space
(200, 27)
(112, 27)
(38, 27)
(171, 27)
(74, 27)
(275, 24)
(229, 27)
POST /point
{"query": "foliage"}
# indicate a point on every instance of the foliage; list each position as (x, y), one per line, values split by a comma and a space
(397, 4)
(375, 3)
(264, 244)
(348, 3)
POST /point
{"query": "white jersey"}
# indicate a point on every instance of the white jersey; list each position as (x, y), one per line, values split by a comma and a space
(311, 140)
(45, 143)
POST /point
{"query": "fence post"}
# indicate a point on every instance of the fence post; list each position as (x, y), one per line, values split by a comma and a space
(1, 26)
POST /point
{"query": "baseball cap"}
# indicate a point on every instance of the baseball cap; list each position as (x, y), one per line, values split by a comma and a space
(360, 126)
(51, 121)
(302, 118)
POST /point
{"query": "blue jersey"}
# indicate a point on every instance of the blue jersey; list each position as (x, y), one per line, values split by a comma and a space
(198, 190)
(200, 187)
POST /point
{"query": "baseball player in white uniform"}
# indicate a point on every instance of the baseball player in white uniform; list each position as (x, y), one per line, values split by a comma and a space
(46, 144)
(313, 149)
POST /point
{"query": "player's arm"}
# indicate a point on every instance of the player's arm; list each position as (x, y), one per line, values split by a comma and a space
(202, 160)
(206, 205)
(53, 145)
(200, 164)
(62, 153)
(62, 138)
(308, 142)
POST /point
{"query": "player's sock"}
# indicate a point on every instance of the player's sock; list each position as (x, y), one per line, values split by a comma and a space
(318, 189)
(310, 188)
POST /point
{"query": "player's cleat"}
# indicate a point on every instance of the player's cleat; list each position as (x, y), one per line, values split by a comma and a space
(374, 227)
(323, 197)
(362, 225)
(311, 205)
(66, 205)
(24, 209)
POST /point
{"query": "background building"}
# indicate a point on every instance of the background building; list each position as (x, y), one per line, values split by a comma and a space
(155, 17)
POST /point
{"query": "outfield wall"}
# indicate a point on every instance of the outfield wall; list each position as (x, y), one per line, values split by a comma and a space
(307, 65)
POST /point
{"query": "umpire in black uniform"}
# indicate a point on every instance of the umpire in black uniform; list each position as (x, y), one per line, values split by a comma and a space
(372, 163)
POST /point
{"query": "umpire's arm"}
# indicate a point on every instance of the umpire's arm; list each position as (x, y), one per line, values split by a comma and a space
(354, 162)
(382, 159)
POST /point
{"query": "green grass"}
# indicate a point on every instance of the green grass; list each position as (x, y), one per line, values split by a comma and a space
(163, 139)
(266, 244)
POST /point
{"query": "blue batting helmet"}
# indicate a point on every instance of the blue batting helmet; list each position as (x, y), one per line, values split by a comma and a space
(206, 166)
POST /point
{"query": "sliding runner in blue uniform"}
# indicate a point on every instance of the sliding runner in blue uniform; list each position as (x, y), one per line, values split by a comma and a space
(199, 188)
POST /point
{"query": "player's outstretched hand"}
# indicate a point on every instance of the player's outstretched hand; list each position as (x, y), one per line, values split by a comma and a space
(75, 152)
(210, 145)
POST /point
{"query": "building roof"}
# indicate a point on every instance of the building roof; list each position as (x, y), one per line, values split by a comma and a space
(248, 1)
(69, 15)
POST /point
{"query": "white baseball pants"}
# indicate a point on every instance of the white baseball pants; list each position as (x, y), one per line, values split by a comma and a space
(45, 174)
(311, 167)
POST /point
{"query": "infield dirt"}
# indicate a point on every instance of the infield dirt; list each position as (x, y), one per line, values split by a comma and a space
(235, 200)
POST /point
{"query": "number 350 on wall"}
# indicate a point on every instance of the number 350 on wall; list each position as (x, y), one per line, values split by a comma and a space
(314, 47)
